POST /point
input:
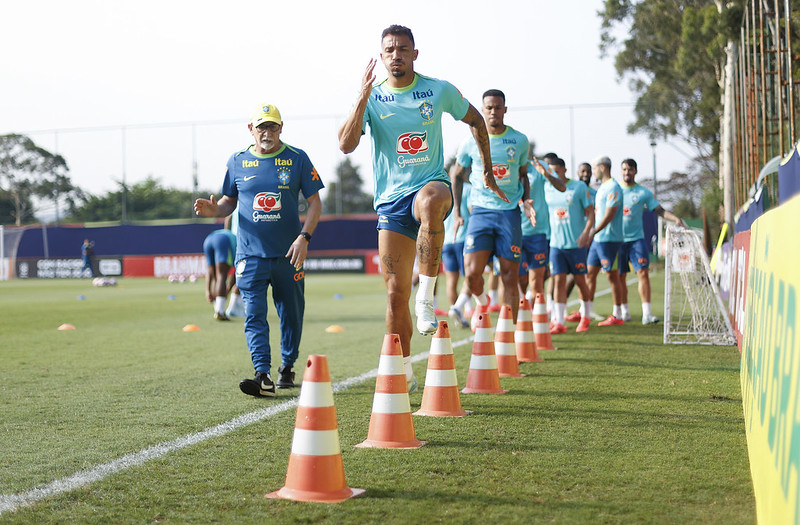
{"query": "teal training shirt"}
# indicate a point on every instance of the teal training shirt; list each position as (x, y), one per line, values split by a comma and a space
(567, 215)
(466, 193)
(538, 183)
(509, 152)
(634, 201)
(406, 131)
(609, 195)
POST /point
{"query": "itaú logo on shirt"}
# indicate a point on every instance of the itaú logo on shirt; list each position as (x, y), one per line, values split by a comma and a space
(267, 201)
(500, 171)
(412, 142)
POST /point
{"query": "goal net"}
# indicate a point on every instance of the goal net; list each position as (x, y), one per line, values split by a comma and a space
(693, 308)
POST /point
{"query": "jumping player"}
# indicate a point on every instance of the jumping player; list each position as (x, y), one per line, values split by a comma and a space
(412, 189)
(267, 179)
(494, 227)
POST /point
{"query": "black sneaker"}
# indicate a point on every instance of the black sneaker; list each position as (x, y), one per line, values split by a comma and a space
(261, 386)
(286, 378)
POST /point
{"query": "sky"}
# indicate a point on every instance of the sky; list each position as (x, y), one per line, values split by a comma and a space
(126, 90)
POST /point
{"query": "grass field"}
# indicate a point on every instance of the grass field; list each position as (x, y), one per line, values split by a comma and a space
(128, 419)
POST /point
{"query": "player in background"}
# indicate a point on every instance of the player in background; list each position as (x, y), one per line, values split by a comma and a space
(536, 229)
(606, 240)
(266, 179)
(584, 175)
(219, 248)
(453, 259)
(571, 222)
(635, 249)
(494, 226)
(412, 189)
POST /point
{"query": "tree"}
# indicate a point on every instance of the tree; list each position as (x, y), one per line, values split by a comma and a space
(28, 171)
(146, 200)
(345, 194)
(668, 52)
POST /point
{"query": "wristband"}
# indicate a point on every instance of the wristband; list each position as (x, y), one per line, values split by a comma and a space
(306, 236)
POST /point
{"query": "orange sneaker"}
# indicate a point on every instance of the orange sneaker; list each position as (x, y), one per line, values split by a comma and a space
(611, 321)
(556, 328)
(438, 312)
(574, 317)
(584, 325)
(495, 308)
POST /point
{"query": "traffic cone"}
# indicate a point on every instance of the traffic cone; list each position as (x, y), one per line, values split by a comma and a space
(523, 336)
(316, 471)
(541, 324)
(390, 425)
(440, 396)
(504, 347)
(483, 377)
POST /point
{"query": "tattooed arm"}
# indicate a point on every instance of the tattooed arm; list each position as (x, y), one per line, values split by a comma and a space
(478, 129)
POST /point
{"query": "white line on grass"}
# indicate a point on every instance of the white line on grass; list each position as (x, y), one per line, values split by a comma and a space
(11, 502)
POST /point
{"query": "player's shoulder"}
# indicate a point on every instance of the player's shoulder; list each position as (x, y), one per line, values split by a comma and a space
(245, 151)
(517, 134)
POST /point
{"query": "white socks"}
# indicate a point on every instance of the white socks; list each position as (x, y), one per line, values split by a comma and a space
(646, 310)
(586, 308)
(559, 309)
(408, 369)
(481, 299)
(623, 309)
(219, 304)
(461, 302)
(617, 311)
(426, 287)
(493, 296)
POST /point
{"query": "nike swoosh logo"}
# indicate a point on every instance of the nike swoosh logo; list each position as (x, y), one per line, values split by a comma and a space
(386, 116)
(265, 386)
(250, 177)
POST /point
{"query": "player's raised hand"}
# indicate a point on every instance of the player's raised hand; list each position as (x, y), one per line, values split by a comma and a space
(490, 183)
(206, 207)
(369, 78)
(539, 166)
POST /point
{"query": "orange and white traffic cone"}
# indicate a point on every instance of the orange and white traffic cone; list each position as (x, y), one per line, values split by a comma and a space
(504, 347)
(440, 397)
(483, 377)
(316, 471)
(391, 425)
(541, 324)
(523, 336)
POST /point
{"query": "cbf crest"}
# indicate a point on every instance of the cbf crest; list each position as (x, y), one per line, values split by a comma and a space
(426, 110)
(511, 151)
(284, 175)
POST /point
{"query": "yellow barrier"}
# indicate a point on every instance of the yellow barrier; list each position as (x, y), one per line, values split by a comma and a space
(770, 370)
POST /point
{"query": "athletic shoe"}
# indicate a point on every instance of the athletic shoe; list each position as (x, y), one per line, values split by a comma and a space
(220, 317)
(440, 313)
(574, 317)
(495, 308)
(480, 309)
(649, 319)
(596, 317)
(426, 319)
(260, 386)
(235, 310)
(285, 377)
(611, 321)
(556, 328)
(627, 318)
(412, 384)
(584, 325)
(456, 317)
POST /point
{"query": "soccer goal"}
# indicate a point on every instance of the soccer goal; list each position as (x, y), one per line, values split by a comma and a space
(693, 308)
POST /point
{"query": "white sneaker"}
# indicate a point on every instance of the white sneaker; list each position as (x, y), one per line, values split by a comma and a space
(596, 316)
(412, 384)
(235, 310)
(627, 318)
(426, 319)
(457, 318)
(649, 319)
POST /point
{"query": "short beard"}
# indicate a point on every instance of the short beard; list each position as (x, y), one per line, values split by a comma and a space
(398, 73)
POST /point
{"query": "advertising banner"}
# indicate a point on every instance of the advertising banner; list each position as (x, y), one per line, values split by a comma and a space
(770, 366)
